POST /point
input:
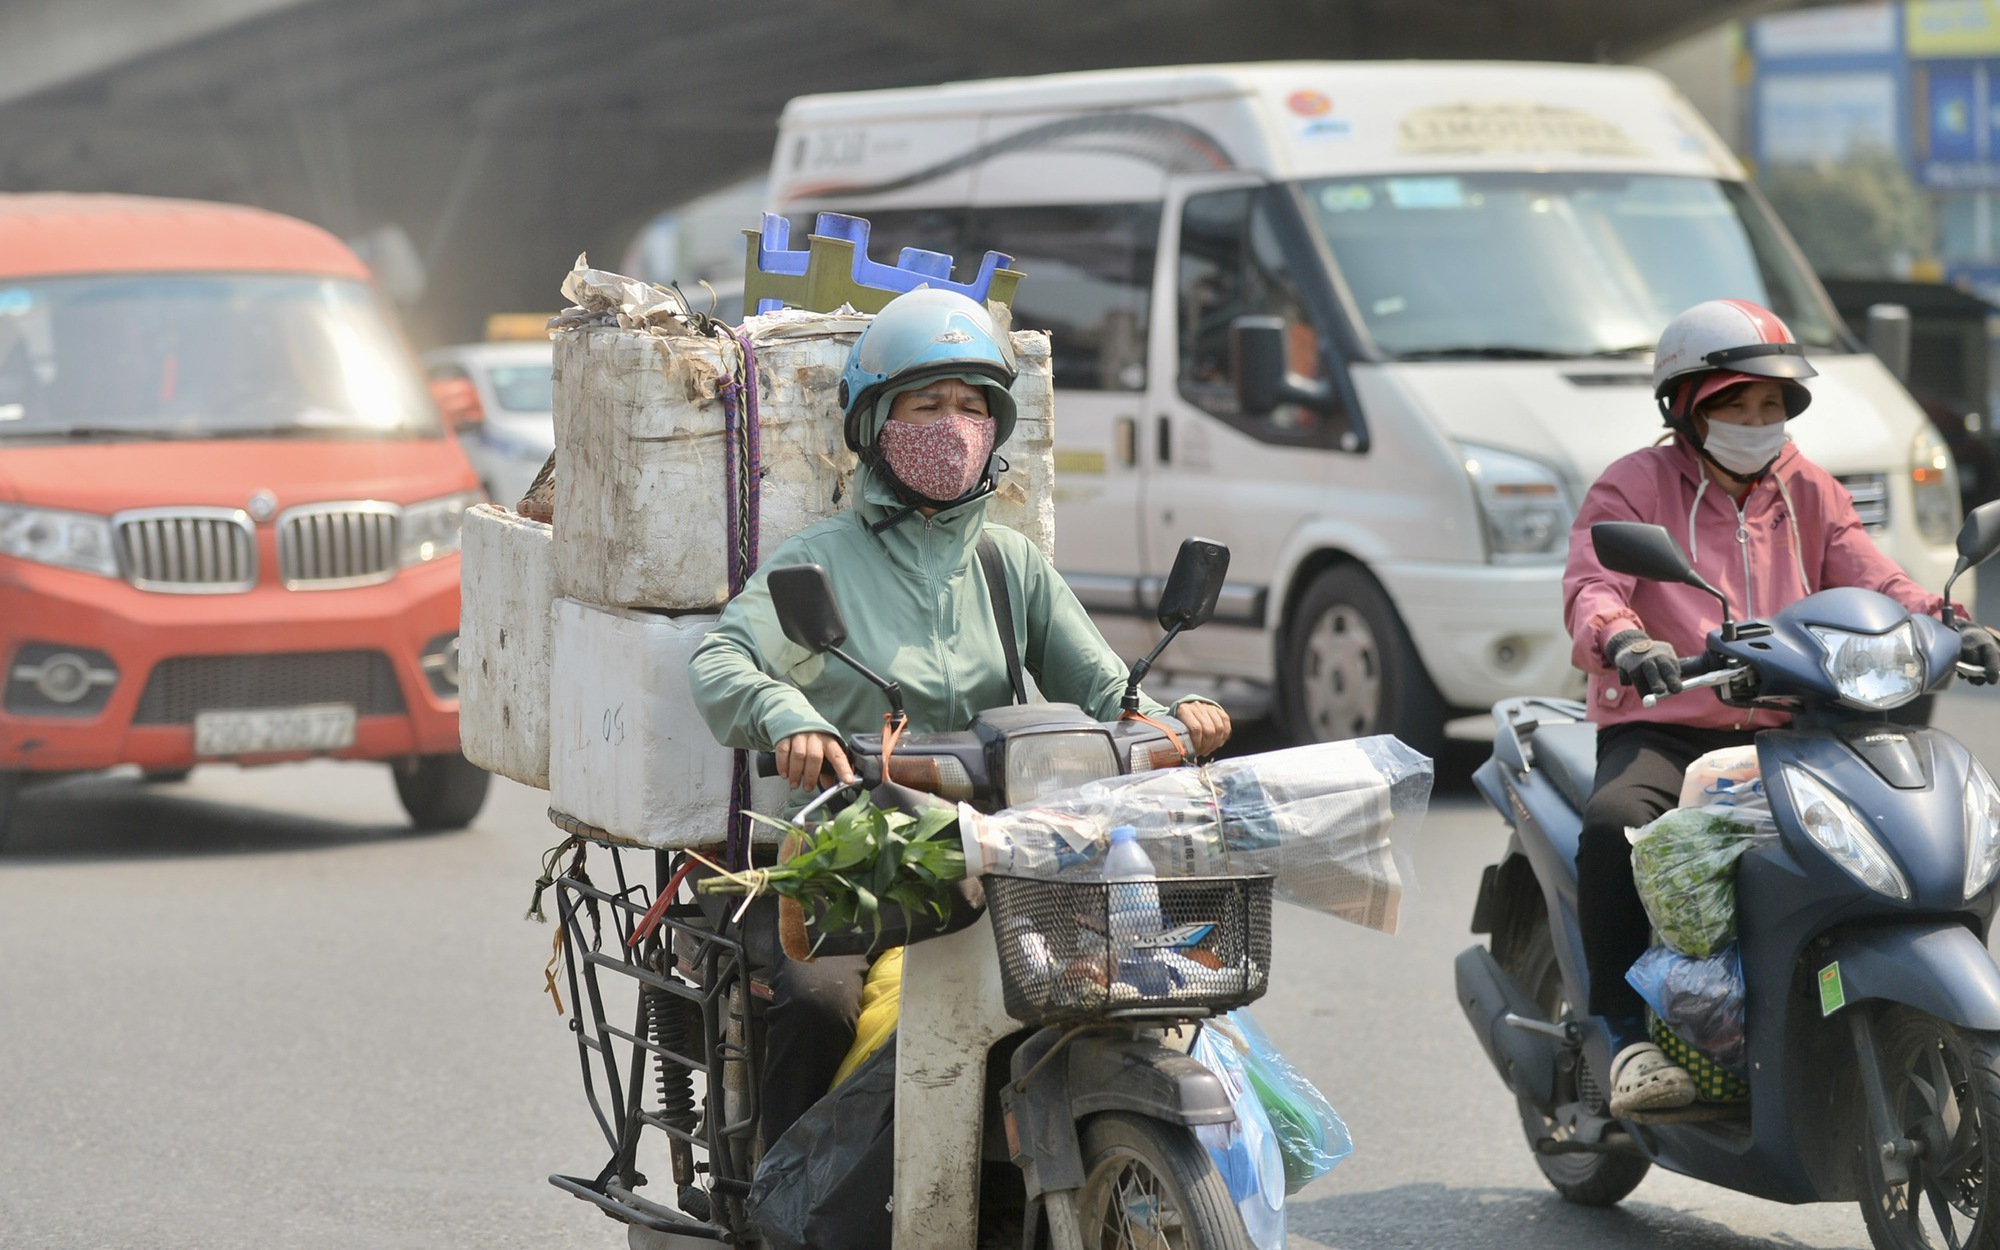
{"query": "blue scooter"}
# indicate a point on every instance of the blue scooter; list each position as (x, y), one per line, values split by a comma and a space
(1872, 1007)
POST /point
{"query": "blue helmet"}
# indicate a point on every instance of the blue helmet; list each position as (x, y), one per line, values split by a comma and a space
(922, 334)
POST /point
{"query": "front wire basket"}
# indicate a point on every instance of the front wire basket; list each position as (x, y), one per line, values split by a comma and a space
(1079, 950)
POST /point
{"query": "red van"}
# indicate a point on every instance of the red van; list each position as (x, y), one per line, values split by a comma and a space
(229, 513)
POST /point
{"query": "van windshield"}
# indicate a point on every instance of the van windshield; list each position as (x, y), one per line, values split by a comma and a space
(1518, 265)
(170, 356)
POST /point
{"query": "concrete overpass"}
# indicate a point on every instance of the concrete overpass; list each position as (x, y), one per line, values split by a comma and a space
(503, 136)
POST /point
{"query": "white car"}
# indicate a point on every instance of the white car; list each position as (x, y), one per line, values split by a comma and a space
(510, 433)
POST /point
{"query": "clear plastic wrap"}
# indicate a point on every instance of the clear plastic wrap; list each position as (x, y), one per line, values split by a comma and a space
(1245, 1150)
(1330, 822)
(1699, 999)
(1684, 865)
(1311, 1135)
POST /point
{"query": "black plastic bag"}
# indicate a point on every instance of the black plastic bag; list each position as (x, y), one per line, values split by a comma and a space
(825, 1184)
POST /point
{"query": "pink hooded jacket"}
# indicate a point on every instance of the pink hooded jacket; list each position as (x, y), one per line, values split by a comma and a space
(1796, 533)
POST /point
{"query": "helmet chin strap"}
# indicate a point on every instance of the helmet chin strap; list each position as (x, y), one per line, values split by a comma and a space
(989, 482)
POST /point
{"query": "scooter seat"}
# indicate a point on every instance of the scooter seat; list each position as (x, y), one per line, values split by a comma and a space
(1568, 753)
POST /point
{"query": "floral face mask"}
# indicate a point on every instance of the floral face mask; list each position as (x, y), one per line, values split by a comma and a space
(942, 459)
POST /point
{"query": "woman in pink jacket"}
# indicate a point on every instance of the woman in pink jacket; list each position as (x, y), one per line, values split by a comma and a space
(1764, 525)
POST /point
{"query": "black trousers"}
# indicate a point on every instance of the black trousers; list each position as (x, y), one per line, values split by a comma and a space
(808, 1030)
(1639, 770)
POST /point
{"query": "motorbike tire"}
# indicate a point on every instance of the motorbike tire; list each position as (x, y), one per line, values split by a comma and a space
(1124, 1153)
(1589, 1180)
(1350, 669)
(441, 791)
(1922, 1055)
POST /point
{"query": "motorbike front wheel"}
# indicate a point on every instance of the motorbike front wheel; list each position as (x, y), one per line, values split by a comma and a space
(1151, 1184)
(1944, 1094)
(1589, 1180)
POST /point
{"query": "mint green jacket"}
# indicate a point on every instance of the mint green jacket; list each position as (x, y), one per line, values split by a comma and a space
(918, 613)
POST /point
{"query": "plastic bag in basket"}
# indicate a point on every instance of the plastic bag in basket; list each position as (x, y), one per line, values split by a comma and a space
(1684, 864)
(1699, 999)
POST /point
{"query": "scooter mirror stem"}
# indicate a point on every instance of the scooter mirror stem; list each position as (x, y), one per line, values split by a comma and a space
(1139, 670)
(890, 690)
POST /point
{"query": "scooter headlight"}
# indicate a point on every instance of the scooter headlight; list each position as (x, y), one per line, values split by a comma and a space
(1039, 764)
(1839, 831)
(1982, 830)
(1875, 671)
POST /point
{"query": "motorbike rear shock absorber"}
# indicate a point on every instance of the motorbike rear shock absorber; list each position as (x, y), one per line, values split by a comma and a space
(670, 1023)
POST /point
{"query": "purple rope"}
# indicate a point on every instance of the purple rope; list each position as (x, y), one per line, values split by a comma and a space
(743, 472)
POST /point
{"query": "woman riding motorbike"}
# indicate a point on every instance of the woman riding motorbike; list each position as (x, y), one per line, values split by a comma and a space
(1761, 523)
(926, 402)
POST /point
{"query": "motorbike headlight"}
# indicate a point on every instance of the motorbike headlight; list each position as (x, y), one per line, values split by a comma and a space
(431, 529)
(70, 540)
(1039, 764)
(1839, 831)
(1982, 830)
(1934, 487)
(1875, 671)
(1524, 505)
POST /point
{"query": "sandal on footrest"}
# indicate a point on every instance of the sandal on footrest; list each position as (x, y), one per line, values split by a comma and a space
(1644, 1079)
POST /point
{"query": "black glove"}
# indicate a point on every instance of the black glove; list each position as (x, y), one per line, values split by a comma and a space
(1644, 663)
(1977, 645)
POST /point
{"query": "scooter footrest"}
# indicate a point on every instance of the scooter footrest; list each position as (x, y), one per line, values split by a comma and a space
(1693, 1114)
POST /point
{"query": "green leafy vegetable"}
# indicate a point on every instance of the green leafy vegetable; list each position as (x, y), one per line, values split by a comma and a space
(1684, 864)
(848, 868)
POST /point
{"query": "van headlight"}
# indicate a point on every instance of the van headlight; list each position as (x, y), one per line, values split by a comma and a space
(1875, 671)
(1982, 830)
(1524, 504)
(1039, 764)
(1934, 487)
(1836, 829)
(432, 528)
(70, 540)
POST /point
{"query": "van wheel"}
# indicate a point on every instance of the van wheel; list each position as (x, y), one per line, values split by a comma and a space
(165, 776)
(1350, 669)
(441, 791)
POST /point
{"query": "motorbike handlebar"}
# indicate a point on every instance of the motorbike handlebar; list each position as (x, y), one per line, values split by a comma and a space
(1700, 675)
(1970, 670)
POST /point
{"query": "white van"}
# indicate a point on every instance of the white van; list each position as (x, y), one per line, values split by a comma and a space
(1452, 275)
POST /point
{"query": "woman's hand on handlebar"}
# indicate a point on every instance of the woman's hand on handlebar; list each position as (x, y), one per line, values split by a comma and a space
(804, 758)
(1206, 723)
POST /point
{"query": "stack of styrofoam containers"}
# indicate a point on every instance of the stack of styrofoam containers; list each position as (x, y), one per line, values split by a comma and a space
(640, 542)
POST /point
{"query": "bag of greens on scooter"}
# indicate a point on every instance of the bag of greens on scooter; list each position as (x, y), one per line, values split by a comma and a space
(1684, 864)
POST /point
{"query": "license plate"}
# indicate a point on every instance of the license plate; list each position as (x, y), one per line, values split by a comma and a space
(326, 727)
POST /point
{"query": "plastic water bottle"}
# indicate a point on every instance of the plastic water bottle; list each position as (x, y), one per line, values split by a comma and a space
(1135, 918)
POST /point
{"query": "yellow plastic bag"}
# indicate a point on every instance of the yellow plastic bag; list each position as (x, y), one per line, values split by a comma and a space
(881, 1006)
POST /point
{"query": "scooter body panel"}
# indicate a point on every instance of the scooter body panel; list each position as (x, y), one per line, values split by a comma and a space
(1942, 969)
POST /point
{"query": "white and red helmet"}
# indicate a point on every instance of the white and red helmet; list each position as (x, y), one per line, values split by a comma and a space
(1724, 342)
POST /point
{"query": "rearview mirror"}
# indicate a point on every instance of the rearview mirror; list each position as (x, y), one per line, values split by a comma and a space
(1889, 338)
(1261, 368)
(1979, 537)
(457, 401)
(1189, 598)
(1639, 550)
(806, 608)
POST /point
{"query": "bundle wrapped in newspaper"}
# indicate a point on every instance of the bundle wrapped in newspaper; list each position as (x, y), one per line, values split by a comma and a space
(1331, 823)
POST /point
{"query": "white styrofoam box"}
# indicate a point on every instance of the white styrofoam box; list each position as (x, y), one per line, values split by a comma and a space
(629, 752)
(641, 514)
(506, 584)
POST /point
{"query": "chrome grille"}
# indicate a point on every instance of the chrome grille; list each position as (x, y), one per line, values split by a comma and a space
(192, 551)
(1870, 492)
(330, 546)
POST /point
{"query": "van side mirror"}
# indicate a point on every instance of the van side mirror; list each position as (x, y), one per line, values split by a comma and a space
(1978, 542)
(1639, 550)
(806, 608)
(1262, 371)
(1194, 584)
(457, 401)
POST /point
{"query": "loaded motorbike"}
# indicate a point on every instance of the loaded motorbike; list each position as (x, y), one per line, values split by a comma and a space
(1075, 1124)
(1872, 1004)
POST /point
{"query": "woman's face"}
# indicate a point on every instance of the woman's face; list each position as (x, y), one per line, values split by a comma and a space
(1752, 403)
(933, 401)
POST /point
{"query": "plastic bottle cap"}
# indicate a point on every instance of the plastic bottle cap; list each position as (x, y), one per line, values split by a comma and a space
(1124, 833)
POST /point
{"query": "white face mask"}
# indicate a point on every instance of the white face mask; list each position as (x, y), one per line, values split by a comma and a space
(1744, 449)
